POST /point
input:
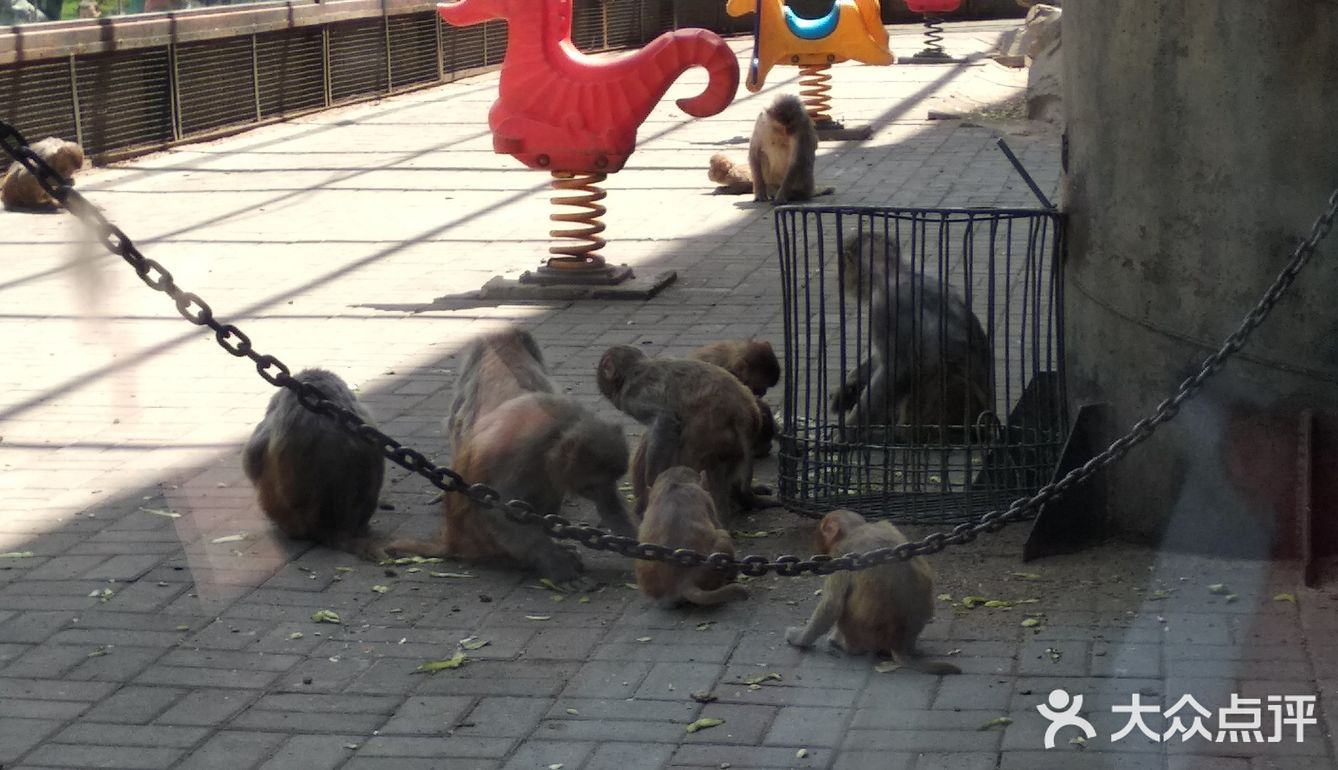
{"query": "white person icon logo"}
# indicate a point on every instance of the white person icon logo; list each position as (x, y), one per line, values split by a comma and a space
(1063, 712)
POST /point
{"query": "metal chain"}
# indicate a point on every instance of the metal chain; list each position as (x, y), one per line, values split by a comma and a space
(274, 371)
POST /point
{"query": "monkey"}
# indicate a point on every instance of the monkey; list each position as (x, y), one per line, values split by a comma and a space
(766, 433)
(88, 9)
(782, 152)
(680, 514)
(732, 178)
(20, 190)
(882, 609)
(313, 480)
(752, 362)
(930, 364)
(509, 430)
(497, 367)
(698, 415)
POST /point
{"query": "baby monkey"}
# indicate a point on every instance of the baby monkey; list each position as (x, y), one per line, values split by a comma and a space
(880, 610)
(753, 363)
(680, 514)
(21, 190)
(316, 482)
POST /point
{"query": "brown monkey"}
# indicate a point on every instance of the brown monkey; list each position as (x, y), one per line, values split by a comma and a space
(882, 609)
(680, 514)
(732, 178)
(782, 152)
(535, 446)
(497, 367)
(699, 415)
(20, 189)
(930, 363)
(753, 362)
(316, 482)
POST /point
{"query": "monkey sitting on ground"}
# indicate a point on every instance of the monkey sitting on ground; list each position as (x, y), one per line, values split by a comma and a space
(781, 155)
(680, 515)
(930, 363)
(20, 190)
(699, 416)
(497, 367)
(882, 609)
(754, 364)
(782, 152)
(316, 482)
(537, 446)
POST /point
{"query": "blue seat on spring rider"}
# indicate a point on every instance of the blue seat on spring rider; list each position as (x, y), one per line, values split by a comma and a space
(812, 29)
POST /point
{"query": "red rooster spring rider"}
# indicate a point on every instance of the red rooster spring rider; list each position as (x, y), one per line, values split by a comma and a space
(577, 116)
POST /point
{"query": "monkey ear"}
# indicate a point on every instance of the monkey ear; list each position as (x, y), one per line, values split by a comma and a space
(702, 476)
(829, 531)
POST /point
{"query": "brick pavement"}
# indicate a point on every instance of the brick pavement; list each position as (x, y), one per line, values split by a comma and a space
(131, 639)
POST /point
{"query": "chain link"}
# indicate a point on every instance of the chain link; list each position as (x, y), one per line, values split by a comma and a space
(233, 340)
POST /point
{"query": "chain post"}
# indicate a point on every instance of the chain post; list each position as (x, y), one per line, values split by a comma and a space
(275, 372)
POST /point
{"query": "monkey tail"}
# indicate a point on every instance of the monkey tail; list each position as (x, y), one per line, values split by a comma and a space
(916, 663)
(436, 547)
(704, 598)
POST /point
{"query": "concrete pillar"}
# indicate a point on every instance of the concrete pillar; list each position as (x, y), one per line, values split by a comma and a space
(1202, 140)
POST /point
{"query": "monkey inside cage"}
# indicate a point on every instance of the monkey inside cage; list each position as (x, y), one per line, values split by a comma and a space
(924, 359)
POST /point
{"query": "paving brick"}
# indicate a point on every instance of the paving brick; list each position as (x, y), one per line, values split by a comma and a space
(203, 706)
(183, 676)
(872, 760)
(427, 715)
(922, 741)
(46, 661)
(532, 755)
(1070, 759)
(743, 724)
(672, 681)
(312, 752)
(232, 751)
(408, 763)
(445, 747)
(807, 727)
(504, 717)
(620, 756)
(256, 718)
(33, 626)
(114, 664)
(133, 757)
(746, 756)
(606, 679)
(134, 704)
(17, 736)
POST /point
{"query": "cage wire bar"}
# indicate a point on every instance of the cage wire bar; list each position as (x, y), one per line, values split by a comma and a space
(964, 309)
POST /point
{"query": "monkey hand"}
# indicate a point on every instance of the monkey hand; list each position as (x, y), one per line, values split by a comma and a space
(781, 199)
(794, 636)
(845, 398)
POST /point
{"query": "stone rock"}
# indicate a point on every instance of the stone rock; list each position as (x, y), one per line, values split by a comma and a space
(1039, 30)
(1040, 27)
(1044, 84)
